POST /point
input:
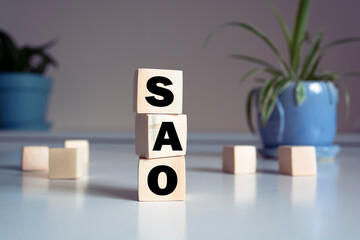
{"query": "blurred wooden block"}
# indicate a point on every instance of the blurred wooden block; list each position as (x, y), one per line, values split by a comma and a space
(297, 160)
(239, 159)
(82, 145)
(158, 91)
(162, 179)
(64, 163)
(35, 158)
(160, 135)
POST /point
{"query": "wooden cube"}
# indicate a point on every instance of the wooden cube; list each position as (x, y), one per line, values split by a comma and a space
(35, 158)
(297, 160)
(160, 135)
(158, 91)
(162, 179)
(64, 163)
(82, 145)
(239, 159)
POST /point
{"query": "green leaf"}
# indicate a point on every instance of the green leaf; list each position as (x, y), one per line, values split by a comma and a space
(269, 108)
(249, 106)
(251, 73)
(313, 51)
(351, 73)
(266, 93)
(270, 102)
(307, 37)
(253, 60)
(8, 52)
(256, 71)
(300, 93)
(25, 56)
(346, 96)
(259, 34)
(260, 80)
(46, 60)
(299, 33)
(327, 76)
(47, 45)
(283, 26)
(339, 42)
(311, 74)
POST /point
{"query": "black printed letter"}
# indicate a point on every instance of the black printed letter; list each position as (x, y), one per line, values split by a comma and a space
(168, 96)
(153, 182)
(173, 140)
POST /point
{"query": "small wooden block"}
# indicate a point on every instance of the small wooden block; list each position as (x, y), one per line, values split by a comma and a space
(82, 145)
(165, 87)
(152, 129)
(64, 163)
(162, 179)
(35, 158)
(239, 159)
(297, 160)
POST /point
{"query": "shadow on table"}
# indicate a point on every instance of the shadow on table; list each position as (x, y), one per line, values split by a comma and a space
(204, 169)
(11, 167)
(217, 170)
(112, 191)
(267, 171)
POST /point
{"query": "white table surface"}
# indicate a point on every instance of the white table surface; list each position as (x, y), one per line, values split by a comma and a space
(104, 204)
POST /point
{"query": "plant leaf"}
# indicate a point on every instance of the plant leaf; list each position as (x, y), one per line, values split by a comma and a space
(313, 51)
(47, 45)
(26, 54)
(252, 59)
(346, 96)
(327, 76)
(249, 106)
(311, 74)
(260, 80)
(259, 34)
(8, 52)
(251, 73)
(300, 27)
(269, 104)
(283, 26)
(339, 42)
(46, 60)
(307, 37)
(266, 93)
(351, 73)
(300, 93)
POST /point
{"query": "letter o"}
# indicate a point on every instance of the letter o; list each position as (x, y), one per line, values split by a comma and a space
(153, 182)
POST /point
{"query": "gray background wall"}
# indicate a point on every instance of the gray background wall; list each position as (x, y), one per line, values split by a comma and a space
(101, 43)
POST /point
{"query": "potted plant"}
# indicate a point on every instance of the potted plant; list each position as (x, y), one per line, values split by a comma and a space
(297, 101)
(24, 90)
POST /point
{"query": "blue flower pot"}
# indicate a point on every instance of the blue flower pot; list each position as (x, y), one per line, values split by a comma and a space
(311, 123)
(23, 101)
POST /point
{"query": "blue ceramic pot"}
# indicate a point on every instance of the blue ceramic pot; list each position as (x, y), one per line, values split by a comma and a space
(311, 123)
(23, 101)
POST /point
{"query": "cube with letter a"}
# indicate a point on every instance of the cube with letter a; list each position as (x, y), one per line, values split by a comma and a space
(158, 135)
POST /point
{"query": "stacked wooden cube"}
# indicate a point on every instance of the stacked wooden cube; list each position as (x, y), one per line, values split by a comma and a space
(160, 134)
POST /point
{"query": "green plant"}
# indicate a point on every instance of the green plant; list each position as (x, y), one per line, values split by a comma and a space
(25, 58)
(297, 69)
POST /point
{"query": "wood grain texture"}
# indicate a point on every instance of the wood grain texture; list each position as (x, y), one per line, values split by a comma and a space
(146, 165)
(239, 159)
(297, 160)
(82, 145)
(142, 75)
(35, 158)
(64, 163)
(147, 128)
